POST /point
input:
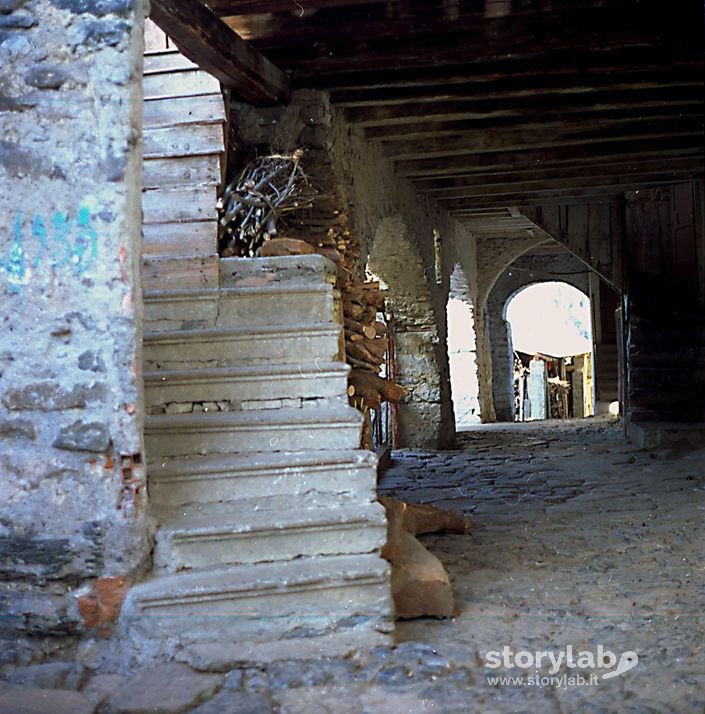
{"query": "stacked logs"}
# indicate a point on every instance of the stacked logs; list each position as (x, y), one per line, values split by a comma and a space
(366, 345)
(366, 341)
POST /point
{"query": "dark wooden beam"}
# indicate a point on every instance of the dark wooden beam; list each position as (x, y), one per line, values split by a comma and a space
(608, 184)
(206, 40)
(582, 61)
(557, 136)
(400, 29)
(580, 197)
(431, 128)
(256, 7)
(510, 160)
(568, 197)
(440, 187)
(524, 105)
(424, 38)
(557, 82)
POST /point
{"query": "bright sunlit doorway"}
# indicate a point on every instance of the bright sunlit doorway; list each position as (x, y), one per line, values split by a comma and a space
(552, 344)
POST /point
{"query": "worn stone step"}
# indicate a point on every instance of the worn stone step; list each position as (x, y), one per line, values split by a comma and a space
(245, 535)
(667, 435)
(290, 269)
(268, 430)
(276, 480)
(238, 346)
(225, 656)
(256, 603)
(237, 307)
(246, 387)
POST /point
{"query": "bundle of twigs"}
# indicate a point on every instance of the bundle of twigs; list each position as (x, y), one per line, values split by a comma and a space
(269, 187)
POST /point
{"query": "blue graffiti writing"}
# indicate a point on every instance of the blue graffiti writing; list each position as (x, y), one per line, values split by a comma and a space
(68, 243)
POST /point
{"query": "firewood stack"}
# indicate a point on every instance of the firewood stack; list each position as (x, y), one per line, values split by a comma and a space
(366, 340)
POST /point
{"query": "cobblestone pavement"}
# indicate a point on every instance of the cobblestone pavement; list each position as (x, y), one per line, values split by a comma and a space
(579, 539)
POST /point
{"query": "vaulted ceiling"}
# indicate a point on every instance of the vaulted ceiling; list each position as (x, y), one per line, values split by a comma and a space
(493, 103)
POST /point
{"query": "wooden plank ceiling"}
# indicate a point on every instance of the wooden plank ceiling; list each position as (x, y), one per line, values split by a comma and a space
(493, 103)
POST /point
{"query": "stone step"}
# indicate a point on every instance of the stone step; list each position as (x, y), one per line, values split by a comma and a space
(290, 269)
(268, 430)
(276, 480)
(248, 387)
(306, 597)
(667, 435)
(225, 656)
(237, 307)
(246, 535)
(235, 347)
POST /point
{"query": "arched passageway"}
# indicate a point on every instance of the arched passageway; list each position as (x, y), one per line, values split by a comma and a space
(551, 347)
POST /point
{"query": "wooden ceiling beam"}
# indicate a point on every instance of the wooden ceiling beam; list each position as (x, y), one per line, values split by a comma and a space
(309, 29)
(286, 7)
(202, 37)
(431, 128)
(401, 30)
(390, 8)
(613, 184)
(311, 71)
(533, 104)
(440, 188)
(568, 195)
(569, 61)
(580, 197)
(523, 138)
(521, 85)
(509, 160)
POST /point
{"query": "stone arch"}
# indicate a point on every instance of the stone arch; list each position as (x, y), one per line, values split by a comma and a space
(524, 271)
(493, 254)
(394, 257)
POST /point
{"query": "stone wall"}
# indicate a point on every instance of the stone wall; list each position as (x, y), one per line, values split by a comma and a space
(354, 177)
(375, 193)
(72, 490)
(524, 271)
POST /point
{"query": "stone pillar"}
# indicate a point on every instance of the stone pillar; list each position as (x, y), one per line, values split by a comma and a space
(72, 481)
(420, 422)
(484, 366)
(502, 368)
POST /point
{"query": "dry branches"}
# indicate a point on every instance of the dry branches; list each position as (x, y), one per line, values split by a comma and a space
(269, 187)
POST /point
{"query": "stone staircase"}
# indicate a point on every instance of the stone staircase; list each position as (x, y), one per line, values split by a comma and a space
(267, 525)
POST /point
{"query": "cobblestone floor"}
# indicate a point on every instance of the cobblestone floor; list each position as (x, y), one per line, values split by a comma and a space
(579, 539)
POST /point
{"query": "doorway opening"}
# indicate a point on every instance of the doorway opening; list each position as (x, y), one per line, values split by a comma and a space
(551, 340)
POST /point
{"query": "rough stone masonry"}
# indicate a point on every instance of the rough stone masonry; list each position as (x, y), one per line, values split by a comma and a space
(72, 525)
